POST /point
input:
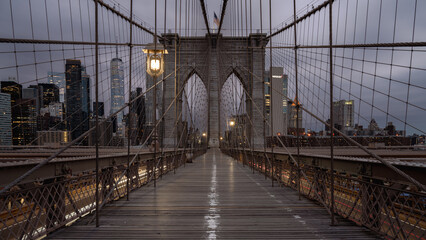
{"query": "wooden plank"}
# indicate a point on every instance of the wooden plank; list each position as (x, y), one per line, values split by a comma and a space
(214, 197)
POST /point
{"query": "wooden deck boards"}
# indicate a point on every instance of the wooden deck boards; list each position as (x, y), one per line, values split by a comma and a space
(214, 197)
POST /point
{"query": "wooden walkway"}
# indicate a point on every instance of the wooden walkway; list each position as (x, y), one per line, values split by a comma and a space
(214, 197)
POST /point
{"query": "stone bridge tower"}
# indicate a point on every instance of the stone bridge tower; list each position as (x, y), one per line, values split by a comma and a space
(214, 60)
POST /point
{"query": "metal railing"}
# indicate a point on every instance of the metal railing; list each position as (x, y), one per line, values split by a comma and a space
(392, 209)
(34, 212)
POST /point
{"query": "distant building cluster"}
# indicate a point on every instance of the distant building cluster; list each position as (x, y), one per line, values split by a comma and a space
(49, 113)
(287, 117)
(343, 114)
(60, 110)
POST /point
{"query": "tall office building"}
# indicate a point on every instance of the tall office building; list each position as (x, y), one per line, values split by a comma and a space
(47, 93)
(278, 104)
(117, 91)
(58, 78)
(13, 88)
(101, 107)
(285, 94)
(32, 93)
(105, 134)
(85, 98)
(295, 118)
(343, 114)
(25, 124)
(5, 120)
(56, 109)
(138, 108)
(149, 105)
(77, 99)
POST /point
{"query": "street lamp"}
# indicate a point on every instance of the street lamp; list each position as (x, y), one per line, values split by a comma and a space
(155, 67)
(204, 134)
(231, 123)
(155, 59)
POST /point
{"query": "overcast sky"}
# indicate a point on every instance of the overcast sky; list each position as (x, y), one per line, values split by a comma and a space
(74, 20)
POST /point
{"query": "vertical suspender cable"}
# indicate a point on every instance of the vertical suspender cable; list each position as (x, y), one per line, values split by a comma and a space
(271, 102)
(245, 5)
(154, 112)
(97, 111)
(297, 98)
(331, 110)
(176, 86)
(129, 118)
(251, 81)
(163, 96)
(263, 88)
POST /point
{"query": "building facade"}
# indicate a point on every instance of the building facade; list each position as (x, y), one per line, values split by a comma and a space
(77, 102)
(5, 120)
(275, 102)
(52, 138)
(138, 108)
(47, 94)
(105, 133)
(101, 110)
(117, 92)
(24, 124)
(343, 114)
(295, 118)
(14, 89)
(58, 78)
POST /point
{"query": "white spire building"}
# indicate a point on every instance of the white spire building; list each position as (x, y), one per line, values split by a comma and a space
(117, 91)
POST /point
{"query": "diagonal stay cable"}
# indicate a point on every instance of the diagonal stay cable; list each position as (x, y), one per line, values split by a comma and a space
(347, 138)
(136, 155)
(56, 154)
(290, 155)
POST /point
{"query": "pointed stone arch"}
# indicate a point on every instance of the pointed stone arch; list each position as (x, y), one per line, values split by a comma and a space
(214, 59)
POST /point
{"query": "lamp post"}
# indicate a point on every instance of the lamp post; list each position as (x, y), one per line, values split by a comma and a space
(231, 124)
(154, 67)
(155, 59)
(204, 138)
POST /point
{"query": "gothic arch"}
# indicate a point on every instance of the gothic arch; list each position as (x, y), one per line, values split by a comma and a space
(214, 58)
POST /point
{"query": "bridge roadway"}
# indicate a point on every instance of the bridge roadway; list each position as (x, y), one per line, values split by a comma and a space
(213, 197)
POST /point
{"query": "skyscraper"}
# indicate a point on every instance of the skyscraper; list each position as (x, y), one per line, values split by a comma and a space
(58, 78)
(101, 107)
(138, 107)
(278, 103)
(25, 124)
(32, 93)
(117, 91)
(47, 93)
(5, 120)
(85, 98)
(14, 89)
(295, 118)
(285, 92)
(77, 99)
(343, 114)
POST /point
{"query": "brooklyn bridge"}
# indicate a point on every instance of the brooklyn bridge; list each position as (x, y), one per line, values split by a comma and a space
(204, 119)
